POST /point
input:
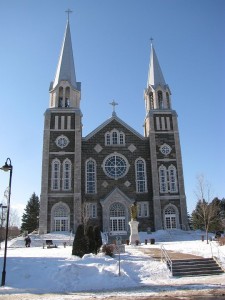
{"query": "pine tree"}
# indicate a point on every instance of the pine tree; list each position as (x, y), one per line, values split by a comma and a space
(97, 238)
(31, 214)
(80, 243)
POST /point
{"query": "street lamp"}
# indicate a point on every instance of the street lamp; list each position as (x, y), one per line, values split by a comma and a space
(7, 167)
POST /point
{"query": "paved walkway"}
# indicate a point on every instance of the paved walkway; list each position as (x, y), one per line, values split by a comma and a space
(156, 254)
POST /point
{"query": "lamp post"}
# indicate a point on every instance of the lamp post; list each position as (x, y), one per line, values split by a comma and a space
(7, 167)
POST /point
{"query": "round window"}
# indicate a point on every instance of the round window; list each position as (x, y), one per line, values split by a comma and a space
(165, 149)
(115, 166)
(62, 141)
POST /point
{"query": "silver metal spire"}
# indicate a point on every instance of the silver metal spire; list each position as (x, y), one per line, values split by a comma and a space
(65, 69)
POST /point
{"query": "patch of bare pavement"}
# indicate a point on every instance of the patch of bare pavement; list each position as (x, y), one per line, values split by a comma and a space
(207, 294)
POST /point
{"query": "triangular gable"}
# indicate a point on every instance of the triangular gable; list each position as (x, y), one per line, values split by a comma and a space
(116, 195)
(114, 117)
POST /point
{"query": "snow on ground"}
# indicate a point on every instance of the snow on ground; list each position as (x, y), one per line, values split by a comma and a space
(40, 270)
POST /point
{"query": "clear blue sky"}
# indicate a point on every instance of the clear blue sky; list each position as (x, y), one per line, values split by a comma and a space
(111, 51)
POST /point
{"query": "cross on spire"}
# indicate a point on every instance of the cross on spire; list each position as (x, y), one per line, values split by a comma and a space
(151, 39)
(113, 103)
(68, 11)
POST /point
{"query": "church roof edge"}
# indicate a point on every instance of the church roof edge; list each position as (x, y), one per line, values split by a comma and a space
(114, 117)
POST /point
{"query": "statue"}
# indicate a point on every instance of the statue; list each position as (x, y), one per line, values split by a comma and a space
(133, 210)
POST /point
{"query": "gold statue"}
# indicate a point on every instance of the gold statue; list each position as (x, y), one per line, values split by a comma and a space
(133, 210)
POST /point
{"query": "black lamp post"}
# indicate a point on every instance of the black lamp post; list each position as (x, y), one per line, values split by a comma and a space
(7, 167)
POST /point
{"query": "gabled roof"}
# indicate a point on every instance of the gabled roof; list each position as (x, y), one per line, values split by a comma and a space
(155, 75)
(113, 194)
(114, 117)
(65, 69)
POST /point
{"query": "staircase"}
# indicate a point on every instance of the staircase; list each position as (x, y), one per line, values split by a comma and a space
(195, 267)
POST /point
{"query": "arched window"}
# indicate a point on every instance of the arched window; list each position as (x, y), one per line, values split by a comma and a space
(115, 165)
(160, 99)
(90, 177)
(117, 218)
(60, 217)
(141, 186)
(151, 101)
(66, 179)
(114, 138)
(55, 178)
(67, 100)
(60, 101)
(163, 179)
(168, 100)
(172, 179)
(170, 217)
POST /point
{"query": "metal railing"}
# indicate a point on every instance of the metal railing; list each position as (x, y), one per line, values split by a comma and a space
(166, 258)
(219, 256)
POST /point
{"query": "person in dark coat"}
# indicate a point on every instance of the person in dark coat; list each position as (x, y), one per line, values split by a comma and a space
(27, 241)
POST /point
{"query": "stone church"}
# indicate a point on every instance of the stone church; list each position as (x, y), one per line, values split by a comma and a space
(96, 178)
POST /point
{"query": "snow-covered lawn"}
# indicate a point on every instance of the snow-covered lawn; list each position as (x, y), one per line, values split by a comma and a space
(55, 270)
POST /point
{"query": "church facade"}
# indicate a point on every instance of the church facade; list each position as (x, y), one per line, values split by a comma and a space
(97, 178)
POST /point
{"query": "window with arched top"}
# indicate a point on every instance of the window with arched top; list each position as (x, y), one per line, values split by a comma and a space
(55, 175)
(60, 99)
(151, 100)
(141, 185)
(117, 218)
(163, 179)
(168, 100)
(117, 210)
(171, 217)
(114, 138)
(66, 176)
(172, 172)
(67, 98)
(160, 99)
(60, 217)
(90, 176)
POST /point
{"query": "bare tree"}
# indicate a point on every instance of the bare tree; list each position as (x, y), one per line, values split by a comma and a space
(14, 219)
(207, 210)
(85, 214)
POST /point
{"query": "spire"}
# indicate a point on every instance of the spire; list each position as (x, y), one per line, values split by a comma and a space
(65, 69)
(155, 75)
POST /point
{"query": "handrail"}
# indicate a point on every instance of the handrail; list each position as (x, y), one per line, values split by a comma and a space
(165, 257)
(220, 254)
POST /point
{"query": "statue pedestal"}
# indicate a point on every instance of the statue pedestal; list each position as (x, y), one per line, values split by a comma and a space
(134, 236)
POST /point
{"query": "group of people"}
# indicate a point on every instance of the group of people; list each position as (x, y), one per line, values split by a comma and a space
(27, 241)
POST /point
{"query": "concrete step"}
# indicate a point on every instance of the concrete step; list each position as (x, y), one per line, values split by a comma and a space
(195, 267)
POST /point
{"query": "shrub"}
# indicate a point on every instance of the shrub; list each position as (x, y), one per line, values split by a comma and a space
(108, 249)
(80, 243)
(91, 240)
(97, 238)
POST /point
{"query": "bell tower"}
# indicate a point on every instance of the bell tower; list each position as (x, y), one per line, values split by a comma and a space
(60, 201)
(161, 127)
